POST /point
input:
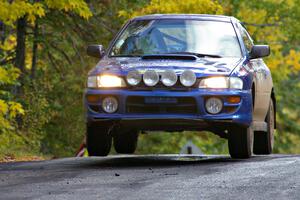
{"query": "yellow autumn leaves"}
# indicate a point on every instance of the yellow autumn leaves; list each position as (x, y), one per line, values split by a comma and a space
(12, 109)
(177, 6)
(11, 11)
(77, 6)
(292, 60)
(8, 109)
(269, 28)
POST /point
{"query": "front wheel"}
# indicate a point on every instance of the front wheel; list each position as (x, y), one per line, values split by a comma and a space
(98, 140)
(264, 141)
(240, 142)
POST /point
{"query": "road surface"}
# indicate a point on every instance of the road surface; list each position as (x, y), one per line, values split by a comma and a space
(153, 177)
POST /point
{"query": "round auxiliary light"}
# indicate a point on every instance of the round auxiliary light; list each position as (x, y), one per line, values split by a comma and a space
(151, 78)
(169, 78)
(134, 77)
(110, 104)
(188, 78)
(213, 105)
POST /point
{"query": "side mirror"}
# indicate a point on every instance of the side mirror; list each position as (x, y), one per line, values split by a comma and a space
(259, 51)
(95, 51)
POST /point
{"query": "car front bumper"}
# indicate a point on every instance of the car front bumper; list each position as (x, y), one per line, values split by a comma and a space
(240, 113)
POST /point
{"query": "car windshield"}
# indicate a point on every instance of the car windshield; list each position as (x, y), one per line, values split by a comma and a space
(202, 38)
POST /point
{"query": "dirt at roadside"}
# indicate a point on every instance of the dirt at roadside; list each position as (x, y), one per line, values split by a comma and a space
(12, 158)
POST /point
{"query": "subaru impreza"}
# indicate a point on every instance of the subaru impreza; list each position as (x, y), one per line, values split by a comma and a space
(177, 73)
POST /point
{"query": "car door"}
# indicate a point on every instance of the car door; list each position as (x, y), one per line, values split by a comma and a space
(264, 75)
(259, 70)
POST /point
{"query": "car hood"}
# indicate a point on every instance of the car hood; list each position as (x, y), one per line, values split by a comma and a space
(201, 66)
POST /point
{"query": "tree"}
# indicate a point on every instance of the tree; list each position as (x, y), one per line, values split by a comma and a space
(176, 6)
(17, 18)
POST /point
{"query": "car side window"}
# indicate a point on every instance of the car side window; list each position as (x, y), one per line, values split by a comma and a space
(246, 38)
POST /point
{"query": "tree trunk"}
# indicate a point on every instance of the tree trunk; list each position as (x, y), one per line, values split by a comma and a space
(2, 35)
(34, 49)
(2, 32)
(20, 51)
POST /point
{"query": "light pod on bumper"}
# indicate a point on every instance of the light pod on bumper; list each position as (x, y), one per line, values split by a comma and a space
(213, 105)
(188, 78)
(169, 78)
(134, 77)
(150, 78)
(110, 104)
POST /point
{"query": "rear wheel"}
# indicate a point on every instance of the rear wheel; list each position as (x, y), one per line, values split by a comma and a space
(98, 140)
(240, 142)
(125, 142)
(264, 141)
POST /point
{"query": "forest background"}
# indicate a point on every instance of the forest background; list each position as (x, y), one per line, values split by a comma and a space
(44, 66)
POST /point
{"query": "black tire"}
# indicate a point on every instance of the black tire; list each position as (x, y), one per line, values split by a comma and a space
(98, 140)
(264, 141)
(240, 142)
(125, 142)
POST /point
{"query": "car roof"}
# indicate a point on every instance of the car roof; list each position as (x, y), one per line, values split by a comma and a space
(222, 18)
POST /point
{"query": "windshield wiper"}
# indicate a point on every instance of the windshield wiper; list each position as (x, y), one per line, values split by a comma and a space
(169, 57)
(126, 55)
(200, 55)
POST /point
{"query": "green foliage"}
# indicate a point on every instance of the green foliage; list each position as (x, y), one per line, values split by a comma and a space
(77, 6)
(8, 109)
(38, 108)
(177, 6)
(162, 142)
(11, 11)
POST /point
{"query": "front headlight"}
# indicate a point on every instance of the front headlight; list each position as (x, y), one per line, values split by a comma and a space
(222, 83)
(105, 81)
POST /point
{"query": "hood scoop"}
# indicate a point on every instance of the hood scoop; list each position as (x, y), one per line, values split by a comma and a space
(169, 57)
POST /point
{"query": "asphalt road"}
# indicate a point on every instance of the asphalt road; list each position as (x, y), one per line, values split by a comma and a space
(153, 177)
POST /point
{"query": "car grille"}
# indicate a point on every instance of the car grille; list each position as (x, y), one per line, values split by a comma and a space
(164, 105)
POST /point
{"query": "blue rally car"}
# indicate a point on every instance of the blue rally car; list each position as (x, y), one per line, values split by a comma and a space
(180, 72)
